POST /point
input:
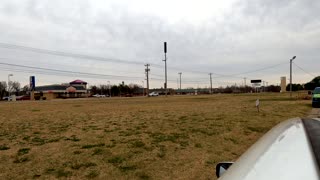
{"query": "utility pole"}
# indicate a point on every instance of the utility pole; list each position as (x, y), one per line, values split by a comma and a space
(210, 83)
(142, 88)
(180, 80)
(109, 88)
(147, 74)
(291, 75)
(165, 66)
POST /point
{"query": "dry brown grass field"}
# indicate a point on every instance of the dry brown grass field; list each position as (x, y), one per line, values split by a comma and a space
(135, 138)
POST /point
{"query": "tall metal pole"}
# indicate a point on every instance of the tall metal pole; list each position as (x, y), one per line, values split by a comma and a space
(210, 83)
(142, 88)
(9, 90)
(147, 74)
(165, 66)
(291, 75)
(180, 79)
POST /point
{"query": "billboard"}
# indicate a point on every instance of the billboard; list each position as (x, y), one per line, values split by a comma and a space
(32, 83)
(256, 81)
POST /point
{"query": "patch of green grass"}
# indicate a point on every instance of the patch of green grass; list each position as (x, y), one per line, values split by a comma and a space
(77, 152)
(62, 173)
(204, 131)
(23, 151)
(72, 138)
(126, 168)
(257, 129)
(97, 151)
(4, 147)
(233, 140)
(173, 137)
(211, 162)
(35, 110)
(137, 144)
(38, 141)
(53, 140)
(88, 146)
(50, 170)
(36, 176)
(77, 166)
(183, 118)
(26, 138)
(116, 160)
(184, 143)
(92, 174)
(162, 151)
(111, 145)
(142, 175)
(21, 159)
(198, 145)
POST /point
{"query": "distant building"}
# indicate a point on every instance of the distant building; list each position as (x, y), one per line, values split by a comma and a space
(74, 89)
(283, 84)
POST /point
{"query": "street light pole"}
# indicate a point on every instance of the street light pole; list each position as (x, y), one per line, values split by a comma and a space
(180, 80)
(9, 85)
(291, 75)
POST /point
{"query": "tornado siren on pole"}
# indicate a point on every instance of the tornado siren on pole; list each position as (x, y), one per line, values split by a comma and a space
(165, 66)
(165, 47)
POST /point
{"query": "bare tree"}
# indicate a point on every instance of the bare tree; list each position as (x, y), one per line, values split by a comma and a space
(15, 86)
(26, 88)
(3, 87)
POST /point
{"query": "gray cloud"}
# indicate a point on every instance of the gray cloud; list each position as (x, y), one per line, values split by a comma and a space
(249, 36)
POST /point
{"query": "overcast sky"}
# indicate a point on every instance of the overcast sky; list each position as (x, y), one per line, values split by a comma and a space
(113, 39)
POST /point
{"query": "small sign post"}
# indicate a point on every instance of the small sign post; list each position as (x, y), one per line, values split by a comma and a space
(32, 87)
(258, 104)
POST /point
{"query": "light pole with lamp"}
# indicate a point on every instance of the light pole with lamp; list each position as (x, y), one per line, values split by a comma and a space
(291, 75)
(9, 85)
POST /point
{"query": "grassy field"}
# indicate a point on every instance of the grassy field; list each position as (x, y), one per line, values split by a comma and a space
(134, 138)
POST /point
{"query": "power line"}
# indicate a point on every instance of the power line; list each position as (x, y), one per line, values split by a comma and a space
(68, 72)
(304, 70)
(83, 56)
(102, 59)
(67, 54)
(261, 69)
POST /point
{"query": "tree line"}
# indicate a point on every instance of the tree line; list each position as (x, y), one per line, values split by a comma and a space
(14, 87)
(134, 89)
(116, 90)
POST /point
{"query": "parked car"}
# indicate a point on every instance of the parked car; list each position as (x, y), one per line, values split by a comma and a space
(5, 98)
(316, 97)
(289, 151)
(99, 95)
(23, 98)
(154, 94)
